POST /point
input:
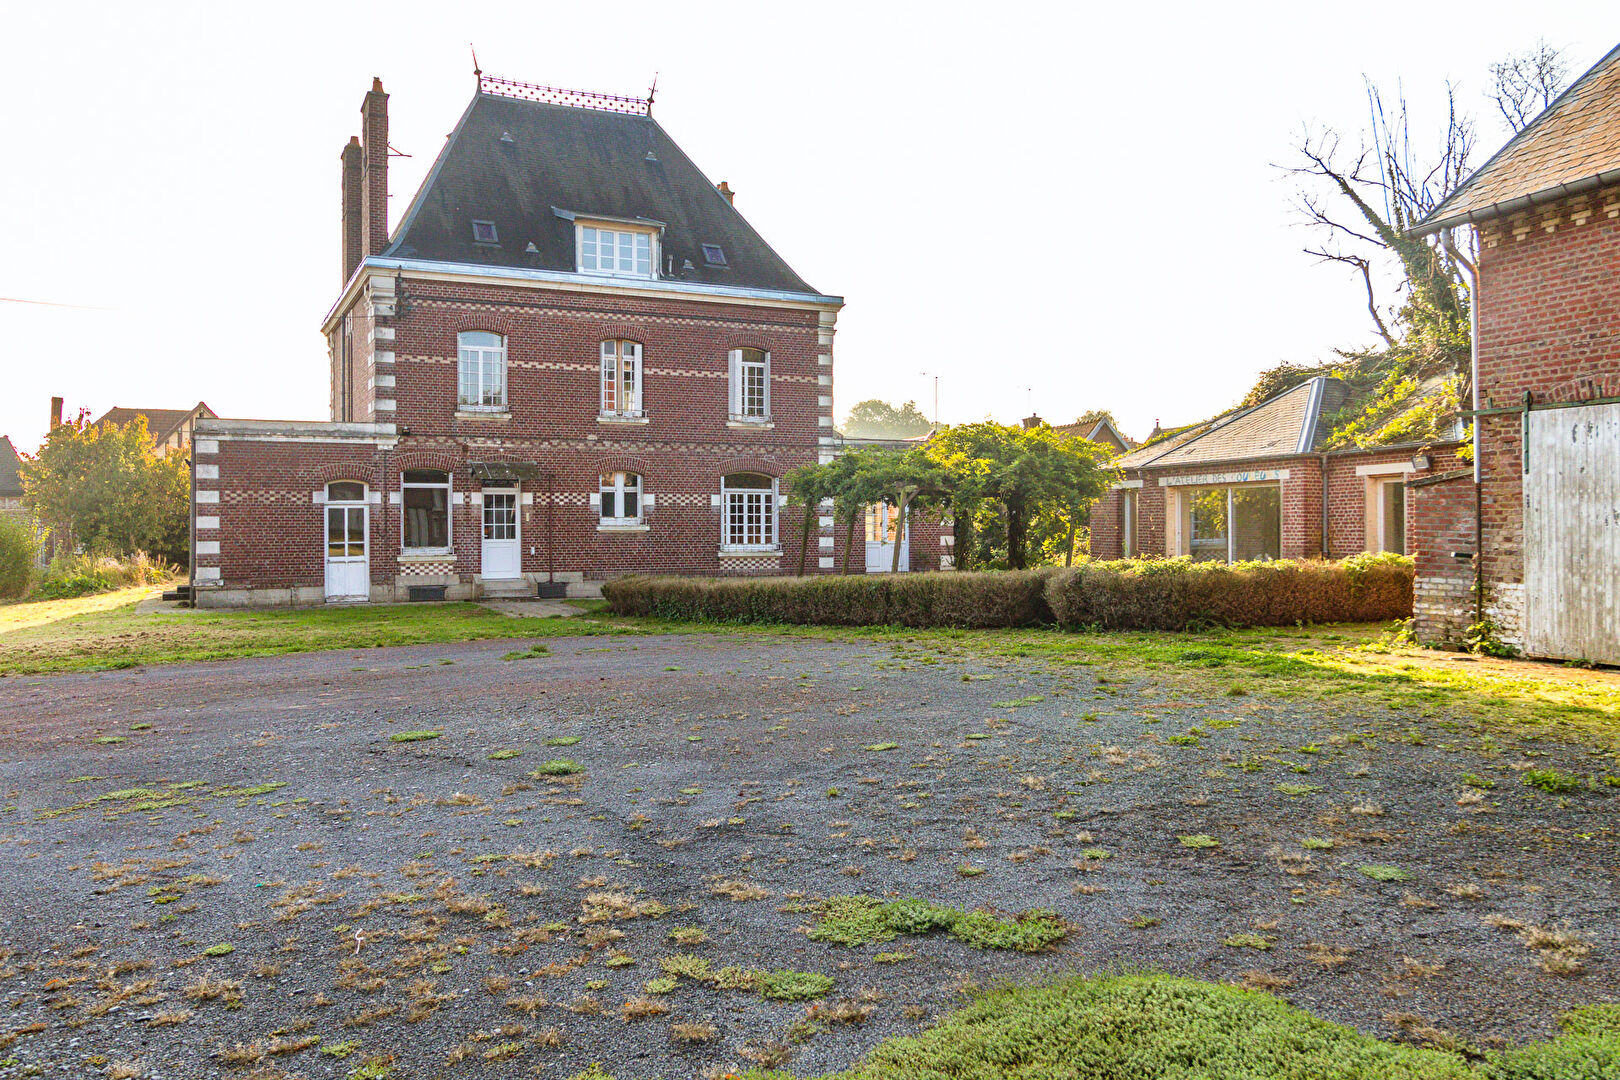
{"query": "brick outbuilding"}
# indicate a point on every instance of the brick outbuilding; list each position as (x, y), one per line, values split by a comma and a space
(1263, 482)
(573, 358)
(1526, 540)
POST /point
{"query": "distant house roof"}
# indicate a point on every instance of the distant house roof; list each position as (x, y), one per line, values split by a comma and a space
(1283, 426)
(1573, 146)
(527, 168)
(10, 482)
(1097, 431)
(161, 423)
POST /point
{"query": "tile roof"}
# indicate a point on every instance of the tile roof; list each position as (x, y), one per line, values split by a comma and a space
(1097, 431)
(161, 423)
(526, 165)
(10, 482)
(1282, 426)
(1573, 145)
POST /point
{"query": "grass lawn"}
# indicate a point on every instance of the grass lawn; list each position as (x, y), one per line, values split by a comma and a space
(106, 631)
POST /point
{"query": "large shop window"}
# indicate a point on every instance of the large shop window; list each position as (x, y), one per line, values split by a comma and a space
(621, 379)
(427, 510)
(1232, 524)
(748, 502)
(481, 370)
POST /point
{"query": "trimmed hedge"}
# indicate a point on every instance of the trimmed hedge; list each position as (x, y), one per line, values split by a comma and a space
(969, 600)
(1179, 594)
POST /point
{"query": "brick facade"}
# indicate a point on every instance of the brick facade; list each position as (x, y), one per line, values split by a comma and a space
(1300, 483)
(393, 345)
(1549, 326)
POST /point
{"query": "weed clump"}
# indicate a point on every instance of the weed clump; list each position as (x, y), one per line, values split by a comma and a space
(558, 767)
(414, 736)
(861, 920)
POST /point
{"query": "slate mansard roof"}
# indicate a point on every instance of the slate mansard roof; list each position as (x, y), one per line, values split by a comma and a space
(1283, 426)
(526, 166)
(1573, 146)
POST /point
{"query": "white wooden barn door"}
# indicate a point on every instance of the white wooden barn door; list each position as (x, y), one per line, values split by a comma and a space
(1572, 534)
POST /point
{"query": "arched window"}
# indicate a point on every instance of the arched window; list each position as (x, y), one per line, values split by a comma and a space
(621, 379)
(750, 386)
(480, 370)
(748, 512)
(345, 491)
(620, 498)
(427, 509)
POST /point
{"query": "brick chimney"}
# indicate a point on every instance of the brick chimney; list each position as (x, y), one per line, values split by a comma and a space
(725, 189)
(374, 186)
(56, 413)
(353, 179)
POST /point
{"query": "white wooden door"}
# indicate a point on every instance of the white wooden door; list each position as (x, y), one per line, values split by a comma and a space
(348, 564)
(503, 552)
(1572, 534)
(882, 523)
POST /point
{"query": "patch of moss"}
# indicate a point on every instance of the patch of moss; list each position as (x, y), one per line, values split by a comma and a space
(414, 736)
(558, 767)
(861, 920)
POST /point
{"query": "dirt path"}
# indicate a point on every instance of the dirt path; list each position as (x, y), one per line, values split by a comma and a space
(399, 894)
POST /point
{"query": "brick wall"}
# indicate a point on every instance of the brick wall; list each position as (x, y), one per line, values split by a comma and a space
(1549, 325)
(1439, 528)
(1301, 493)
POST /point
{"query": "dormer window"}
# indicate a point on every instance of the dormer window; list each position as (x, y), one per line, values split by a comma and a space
(484, 233)
(621, 252)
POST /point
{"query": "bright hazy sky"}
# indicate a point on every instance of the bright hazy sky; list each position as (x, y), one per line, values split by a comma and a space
(1061, 205)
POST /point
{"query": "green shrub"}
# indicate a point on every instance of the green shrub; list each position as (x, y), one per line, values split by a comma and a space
(18, 548)
(1179, 594)
(81, 575)
(1144, 1028)
(969, 600)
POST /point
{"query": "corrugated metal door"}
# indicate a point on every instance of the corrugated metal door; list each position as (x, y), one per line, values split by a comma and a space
(1572, 534)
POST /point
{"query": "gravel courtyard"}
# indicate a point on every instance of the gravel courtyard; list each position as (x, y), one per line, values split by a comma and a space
(212, 869)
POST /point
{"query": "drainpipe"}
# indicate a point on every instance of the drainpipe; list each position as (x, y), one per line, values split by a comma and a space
(1472, 273)
(1322, 463)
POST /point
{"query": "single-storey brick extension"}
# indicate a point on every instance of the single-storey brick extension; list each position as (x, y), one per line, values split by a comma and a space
(1250, 484)
(572, 359)
(1528, 539)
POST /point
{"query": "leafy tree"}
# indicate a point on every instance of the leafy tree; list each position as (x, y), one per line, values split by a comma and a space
(853, 481)
(1027, 472)
(901, 478)
(18, 546)
(807, 486)
(874, 419)
(108, 489)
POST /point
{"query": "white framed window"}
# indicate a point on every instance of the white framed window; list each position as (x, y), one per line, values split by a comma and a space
(426, 521)
(750, 385)
(621, 378)
(748, 512)
(621, 499)
(621, 252)
(1386, 513)
(1231, 523)
(480, 370)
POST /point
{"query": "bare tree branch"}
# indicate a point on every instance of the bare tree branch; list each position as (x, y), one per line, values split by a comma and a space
(1526, 83)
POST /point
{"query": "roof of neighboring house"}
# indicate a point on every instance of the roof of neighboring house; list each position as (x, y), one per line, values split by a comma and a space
(10, 482)
(529, 166)
(1282, 426)
(161, 423)
(1573, 146)
(1097, 431)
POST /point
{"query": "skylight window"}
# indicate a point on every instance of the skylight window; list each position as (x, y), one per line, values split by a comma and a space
(714, 255)
(484, 233)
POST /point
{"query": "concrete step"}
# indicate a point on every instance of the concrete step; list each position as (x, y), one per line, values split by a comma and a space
(508, 590)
